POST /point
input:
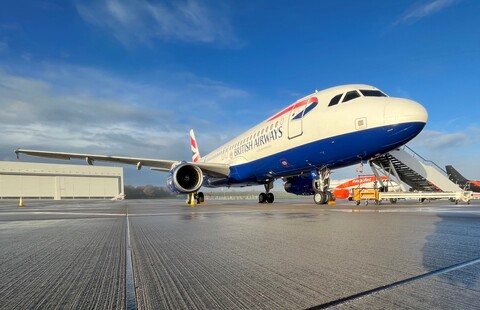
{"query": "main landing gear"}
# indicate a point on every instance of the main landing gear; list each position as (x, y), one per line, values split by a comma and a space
(321, 198)
(320, 185)
(266, 197)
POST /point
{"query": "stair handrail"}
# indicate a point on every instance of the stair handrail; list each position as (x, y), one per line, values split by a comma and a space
(425, 160)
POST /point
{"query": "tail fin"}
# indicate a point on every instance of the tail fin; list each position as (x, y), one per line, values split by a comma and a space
(193, 144)
(455, 176)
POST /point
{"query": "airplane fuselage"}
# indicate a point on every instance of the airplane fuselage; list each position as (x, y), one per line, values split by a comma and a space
(315, 132)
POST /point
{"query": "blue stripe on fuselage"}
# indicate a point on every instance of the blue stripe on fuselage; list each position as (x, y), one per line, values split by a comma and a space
(334, 152)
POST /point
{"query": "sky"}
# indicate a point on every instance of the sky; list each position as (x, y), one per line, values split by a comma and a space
(131, 78)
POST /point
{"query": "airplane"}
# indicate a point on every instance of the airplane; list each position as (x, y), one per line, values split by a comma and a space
(343, 189)
(329, 129)
(459, 179)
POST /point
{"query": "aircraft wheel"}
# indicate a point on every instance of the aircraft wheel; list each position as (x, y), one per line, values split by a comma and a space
(262, 198)
(200, 197)
(329, 197)
(319, 198)
(270, 198)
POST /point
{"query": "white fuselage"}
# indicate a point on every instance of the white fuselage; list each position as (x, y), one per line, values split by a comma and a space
(310, 133)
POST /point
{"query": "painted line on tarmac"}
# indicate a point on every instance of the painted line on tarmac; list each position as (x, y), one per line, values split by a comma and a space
(376, 290)
(130, 294)
(313, 211)
(286, 211)
(61, 213)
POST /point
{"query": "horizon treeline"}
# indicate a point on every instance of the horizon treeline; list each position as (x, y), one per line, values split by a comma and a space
(147, 192)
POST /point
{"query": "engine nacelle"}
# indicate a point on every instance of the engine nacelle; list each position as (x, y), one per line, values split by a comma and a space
(301, 185)
(185, 178)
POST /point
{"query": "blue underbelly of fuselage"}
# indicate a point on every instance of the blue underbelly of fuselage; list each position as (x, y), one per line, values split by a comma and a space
(334, 152)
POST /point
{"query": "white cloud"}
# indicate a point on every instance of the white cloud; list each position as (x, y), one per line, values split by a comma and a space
(74, 107)
(80, 109)
(450, 148)
(424, 9)
(143, 20)
(437, 141)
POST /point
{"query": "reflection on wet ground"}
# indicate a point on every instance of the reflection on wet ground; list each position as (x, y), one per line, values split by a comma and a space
(455, 239)
(287, 255)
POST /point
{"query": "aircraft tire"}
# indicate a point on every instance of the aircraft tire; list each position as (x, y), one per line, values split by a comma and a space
(329, 197)
(319, 198)
(262, 198)
(200, 197)
(270, 198)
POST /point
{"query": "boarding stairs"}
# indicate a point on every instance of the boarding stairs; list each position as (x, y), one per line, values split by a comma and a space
(420, 174)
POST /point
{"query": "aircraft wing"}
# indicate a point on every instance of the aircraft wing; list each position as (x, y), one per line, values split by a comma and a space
(210, 169)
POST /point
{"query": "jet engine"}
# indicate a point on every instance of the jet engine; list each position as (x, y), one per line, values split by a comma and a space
(300, 185)
(185, 178)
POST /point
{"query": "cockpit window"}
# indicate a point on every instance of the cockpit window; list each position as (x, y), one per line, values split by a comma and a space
(351, 95)
(372, 93)
(335, 100)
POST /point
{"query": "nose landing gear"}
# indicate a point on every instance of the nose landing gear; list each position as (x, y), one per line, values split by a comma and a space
(267, 197)
(320, 185)
(321, 198)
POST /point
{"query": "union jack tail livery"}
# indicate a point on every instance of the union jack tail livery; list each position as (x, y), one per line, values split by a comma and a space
(193, 144)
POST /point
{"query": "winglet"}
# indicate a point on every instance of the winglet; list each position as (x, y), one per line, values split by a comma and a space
(194, 146)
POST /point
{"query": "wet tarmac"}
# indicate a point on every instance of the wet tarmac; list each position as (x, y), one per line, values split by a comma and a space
(162, 254)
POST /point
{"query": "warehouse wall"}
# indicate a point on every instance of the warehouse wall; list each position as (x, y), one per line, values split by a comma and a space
(58, 181)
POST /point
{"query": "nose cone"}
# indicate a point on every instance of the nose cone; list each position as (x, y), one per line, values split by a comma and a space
(401, 111)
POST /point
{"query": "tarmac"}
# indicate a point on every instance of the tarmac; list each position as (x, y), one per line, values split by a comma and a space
(163, 254)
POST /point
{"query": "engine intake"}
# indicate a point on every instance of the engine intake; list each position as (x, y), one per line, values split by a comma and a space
(185, 178)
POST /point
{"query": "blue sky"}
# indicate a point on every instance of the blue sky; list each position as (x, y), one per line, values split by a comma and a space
(132, 77)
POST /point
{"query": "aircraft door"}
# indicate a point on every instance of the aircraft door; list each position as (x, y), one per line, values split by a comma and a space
(295, 121)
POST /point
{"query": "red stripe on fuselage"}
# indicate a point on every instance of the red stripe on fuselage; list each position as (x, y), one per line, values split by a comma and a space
(293, 106)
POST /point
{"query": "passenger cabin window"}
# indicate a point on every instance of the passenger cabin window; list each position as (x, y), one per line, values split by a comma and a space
(372, 93)
(335, 100)
(351, 95)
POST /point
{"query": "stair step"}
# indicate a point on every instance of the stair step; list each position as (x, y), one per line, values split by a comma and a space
(406, 174)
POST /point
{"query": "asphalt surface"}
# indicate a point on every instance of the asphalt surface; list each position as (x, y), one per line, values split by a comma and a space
(162, 254)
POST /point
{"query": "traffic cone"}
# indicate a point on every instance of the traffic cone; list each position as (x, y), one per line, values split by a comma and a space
(192, 200)
(20, 203)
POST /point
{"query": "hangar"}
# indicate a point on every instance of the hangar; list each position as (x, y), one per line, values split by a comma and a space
(57, 181)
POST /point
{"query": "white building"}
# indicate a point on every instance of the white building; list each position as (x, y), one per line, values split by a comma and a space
(57, 181)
